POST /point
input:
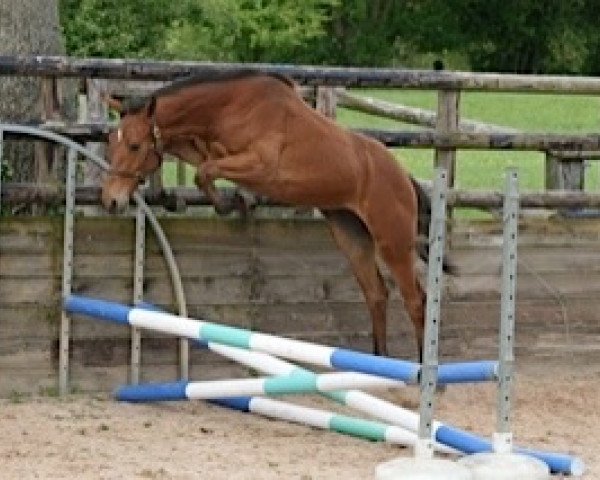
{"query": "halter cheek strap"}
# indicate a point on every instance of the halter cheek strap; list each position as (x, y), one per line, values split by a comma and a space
(157, 139)
(158, 146)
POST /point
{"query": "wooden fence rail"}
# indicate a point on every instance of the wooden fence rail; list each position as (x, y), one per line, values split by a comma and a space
(57, 66)
(447, 136)
(178, 198)
(399, 138)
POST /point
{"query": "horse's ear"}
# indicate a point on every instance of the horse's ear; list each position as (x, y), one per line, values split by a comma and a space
(112, 102)
(151, 107)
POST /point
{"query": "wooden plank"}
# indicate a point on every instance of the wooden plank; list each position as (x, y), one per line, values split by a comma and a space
(242, 261)
(286, 278)
(24, 323)
(112, 234)
(547, 286)
(332, 76)
(29, 291)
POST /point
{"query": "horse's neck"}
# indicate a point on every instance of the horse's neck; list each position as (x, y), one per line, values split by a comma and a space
(189, 112)
(186, 150)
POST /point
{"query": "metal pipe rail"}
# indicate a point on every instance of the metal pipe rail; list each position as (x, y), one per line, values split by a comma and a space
(74, 150)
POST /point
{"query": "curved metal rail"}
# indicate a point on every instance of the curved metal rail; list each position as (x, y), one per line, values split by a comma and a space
(74, 149)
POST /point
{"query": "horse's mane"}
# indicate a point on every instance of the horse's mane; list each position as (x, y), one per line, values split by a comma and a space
(134, 105)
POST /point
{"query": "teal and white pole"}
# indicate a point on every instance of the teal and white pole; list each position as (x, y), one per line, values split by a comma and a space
(295, 383)
(295, 350)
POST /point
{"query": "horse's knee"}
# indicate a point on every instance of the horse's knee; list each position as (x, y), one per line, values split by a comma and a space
(217, 150)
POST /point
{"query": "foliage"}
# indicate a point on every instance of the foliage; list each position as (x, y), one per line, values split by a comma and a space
(226, 30)
(527, 36)
(248, 30)
(116, 28)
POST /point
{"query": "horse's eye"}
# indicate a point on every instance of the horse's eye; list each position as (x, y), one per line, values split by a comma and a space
(134, 147)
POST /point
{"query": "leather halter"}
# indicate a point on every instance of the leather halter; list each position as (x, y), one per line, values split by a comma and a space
(157, 146)
(157, 140)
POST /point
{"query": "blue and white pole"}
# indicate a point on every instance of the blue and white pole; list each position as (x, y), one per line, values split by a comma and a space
(295, 383)
(296, 350)
(325, 420)
(444, 434)
(447, 438)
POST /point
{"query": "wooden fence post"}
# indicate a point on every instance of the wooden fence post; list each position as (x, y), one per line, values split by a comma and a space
(562, 174)
(447, 122)
(93, 110)
(326, 102)
(44, 152)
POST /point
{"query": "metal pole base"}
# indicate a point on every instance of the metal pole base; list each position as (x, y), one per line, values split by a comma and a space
(505, 466)
(415, 468)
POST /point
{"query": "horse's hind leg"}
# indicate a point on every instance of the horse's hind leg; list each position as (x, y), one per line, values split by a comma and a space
(396, 245)
(354, 240)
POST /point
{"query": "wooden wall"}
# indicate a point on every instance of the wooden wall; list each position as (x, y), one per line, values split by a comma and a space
(285, 277)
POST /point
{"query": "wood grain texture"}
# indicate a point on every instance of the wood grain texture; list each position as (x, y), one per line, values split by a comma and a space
(283, 277)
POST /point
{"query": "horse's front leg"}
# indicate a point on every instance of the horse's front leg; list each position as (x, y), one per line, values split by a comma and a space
(242, 201)
(223, 206)
(246, 168)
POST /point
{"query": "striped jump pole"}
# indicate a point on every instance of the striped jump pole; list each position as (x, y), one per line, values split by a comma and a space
(325, 420)
(297, 382)
(296, 350)
(399, 425)
(447, 437)
(443, 434)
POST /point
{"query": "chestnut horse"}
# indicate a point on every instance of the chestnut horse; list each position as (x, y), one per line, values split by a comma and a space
(255, 130)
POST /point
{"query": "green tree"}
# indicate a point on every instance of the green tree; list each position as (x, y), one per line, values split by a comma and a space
(360, 32)
(525, 36)
(247, 30)
(116, 28)
(529, 36)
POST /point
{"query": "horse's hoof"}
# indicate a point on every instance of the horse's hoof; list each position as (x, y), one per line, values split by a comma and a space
(224, 209)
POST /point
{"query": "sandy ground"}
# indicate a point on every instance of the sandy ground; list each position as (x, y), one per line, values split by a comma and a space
(94, 437)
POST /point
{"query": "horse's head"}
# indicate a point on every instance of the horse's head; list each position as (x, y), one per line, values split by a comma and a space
(134, 152)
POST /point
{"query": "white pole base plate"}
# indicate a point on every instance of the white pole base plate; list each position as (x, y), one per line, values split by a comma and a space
(415, 468)
(505, 466)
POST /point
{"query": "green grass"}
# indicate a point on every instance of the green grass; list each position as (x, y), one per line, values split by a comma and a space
(483, 169)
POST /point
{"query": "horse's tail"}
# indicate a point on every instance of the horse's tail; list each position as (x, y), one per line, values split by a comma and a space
(424, 219)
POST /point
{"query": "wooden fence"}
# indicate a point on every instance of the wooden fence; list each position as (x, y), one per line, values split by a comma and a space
(563, 170)
(284, 276)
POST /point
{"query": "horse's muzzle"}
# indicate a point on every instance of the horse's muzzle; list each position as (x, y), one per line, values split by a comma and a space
(114, 202)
